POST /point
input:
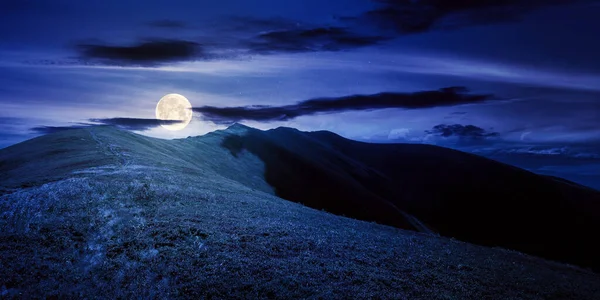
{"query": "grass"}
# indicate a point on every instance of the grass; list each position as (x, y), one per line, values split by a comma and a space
(429, 188)
(155, 223)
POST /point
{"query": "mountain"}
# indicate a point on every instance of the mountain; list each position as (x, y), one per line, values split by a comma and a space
(453, 193)
(100, 212)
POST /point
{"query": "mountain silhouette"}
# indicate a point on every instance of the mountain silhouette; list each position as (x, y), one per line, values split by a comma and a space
(103, 211)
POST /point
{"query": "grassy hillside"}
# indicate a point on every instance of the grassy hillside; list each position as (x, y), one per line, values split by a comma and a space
(456, 194)
(486, 202)
(150, 218)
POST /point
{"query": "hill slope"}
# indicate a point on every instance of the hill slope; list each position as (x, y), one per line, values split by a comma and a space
(104, 213)
(453, 193)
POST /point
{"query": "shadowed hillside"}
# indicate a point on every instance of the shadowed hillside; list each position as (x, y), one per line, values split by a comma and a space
(454, 193)
(102, 212)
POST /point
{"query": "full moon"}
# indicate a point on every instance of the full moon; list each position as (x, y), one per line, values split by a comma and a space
(174, 107)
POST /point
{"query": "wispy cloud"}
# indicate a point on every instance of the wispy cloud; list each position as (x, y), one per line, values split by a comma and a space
(418, 16)
(135, 123)
(385, 61)
(53, 129)
(461, 131)
(125, 123)
(310, 40)
(552, 150)
(245, 37)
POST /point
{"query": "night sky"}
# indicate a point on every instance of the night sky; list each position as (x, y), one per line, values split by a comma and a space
(517, 81)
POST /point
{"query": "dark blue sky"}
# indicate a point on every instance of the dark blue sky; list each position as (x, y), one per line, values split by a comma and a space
(356, 67)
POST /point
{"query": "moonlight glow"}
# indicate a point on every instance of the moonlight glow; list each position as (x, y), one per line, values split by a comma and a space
(174, 107)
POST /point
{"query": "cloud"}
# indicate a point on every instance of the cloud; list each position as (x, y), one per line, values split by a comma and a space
(310, 40)
(248, 35)
(236, 41)
(461, 131)
(236, 37)
(150, 52)
(417, 16)
(399, 133)
(134, 123)
(425, 99)
(565, 151)
(524, 135)
(125, 123)
(253, 25)
(53, 129)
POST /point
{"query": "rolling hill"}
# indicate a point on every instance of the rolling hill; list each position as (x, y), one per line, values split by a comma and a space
(101, 212)
(453, 193)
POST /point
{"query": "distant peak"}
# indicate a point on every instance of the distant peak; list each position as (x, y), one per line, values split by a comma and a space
(286, 128)
(238, 128)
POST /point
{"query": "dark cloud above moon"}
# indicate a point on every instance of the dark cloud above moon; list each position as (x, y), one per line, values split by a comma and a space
(450, 96)
(417, 16)
(246, 36)
(311, 40)
(161, 51)
(150, 52)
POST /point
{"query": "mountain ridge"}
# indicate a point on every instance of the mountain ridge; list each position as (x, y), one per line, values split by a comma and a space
(448, 188)
(103, 210)
(380, 187)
